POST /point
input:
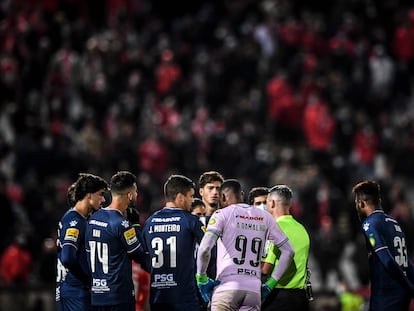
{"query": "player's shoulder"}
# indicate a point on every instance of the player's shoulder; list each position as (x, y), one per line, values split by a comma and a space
(377, 218)
(72, 218)
(161, 215)
(107, 216)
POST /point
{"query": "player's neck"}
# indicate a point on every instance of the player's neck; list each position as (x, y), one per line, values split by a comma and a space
(119, 205)
(82, 208)
(174, 205)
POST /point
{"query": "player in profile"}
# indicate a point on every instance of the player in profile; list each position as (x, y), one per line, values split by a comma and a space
(240, 231)
(84, 196)
(170, 236)
(391, 271)
(112, 243)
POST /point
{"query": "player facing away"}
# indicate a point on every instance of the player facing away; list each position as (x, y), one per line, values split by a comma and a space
(170, 236)
(391, 272)
(85, 195)
(111, 243)
(240, 231)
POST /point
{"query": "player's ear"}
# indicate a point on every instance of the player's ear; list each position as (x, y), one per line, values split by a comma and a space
(222, 197)
(179, 197)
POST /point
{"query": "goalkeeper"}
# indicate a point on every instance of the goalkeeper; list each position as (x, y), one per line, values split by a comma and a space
(240, 231)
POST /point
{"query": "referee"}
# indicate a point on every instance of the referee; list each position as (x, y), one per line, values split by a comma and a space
(289, 294)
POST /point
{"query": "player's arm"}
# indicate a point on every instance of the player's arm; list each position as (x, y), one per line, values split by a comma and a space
(208, 241)
(267, 268)
(281, 241)
(146, 264)
(69, 259)
(269, 261)
(410, 277)
(131, 239)
(286, 256)
(204, 283)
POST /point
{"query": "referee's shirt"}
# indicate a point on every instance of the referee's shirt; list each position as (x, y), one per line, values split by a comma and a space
(289, 293)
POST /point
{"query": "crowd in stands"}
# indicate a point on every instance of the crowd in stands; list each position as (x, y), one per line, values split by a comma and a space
(316, 95)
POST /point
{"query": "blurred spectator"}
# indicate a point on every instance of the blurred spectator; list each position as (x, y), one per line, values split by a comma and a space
(153, 156)
(141, 279)
(365, 149)
(284, 111)
(319, 128)
(327, 247)
(16, 263)
(382, 71)
(403, 37)
(167, 73)
(46, 264)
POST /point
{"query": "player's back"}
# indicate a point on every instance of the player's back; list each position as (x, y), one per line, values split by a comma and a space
(385, 232)
(243, 231)
(170, 236)
(108, 241)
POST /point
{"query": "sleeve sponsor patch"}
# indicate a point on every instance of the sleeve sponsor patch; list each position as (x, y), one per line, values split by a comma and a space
(72, 234)
(130, 236)
(212, 221)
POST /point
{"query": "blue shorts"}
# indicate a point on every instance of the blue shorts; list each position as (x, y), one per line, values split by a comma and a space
(119, 307)
(74, 304)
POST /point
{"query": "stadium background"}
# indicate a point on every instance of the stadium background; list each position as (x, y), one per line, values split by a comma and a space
(316, 95)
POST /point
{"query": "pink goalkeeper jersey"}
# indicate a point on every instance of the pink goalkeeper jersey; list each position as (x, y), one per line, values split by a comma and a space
(243, 231)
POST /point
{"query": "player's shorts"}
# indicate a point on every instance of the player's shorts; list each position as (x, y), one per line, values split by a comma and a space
(231, 300)
(74, 304)
(119, 307)
(190, 306)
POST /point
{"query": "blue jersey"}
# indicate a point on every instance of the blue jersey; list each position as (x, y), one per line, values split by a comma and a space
(72, 277)
(390, 267)
(111, 243)
(170, 236)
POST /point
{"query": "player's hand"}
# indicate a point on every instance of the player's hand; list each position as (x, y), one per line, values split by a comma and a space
(133, 216)
(267, 288)
(206, 286)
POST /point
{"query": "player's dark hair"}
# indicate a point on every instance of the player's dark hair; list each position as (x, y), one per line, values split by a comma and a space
(121, 181)
(70, 195)
(209, 177)
(232, 184)
(256, 192)
(86, 183)
(197, 202)
(176, 184)
(368, 190)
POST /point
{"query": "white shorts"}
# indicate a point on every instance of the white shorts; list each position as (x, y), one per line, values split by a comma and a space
(233, 300)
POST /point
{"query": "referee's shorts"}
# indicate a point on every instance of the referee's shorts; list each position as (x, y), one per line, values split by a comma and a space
(286, 299)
